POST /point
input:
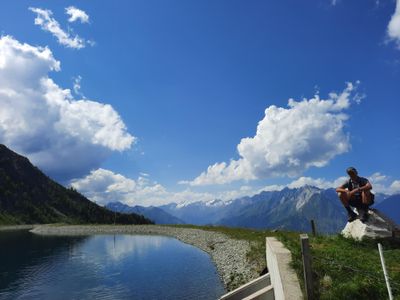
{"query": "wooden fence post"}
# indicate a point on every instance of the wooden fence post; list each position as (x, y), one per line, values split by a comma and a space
(308, 277)
(314, 232)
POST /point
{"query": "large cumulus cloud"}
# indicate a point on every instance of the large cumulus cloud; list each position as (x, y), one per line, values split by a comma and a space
(64, 136)
(393, 29)
(288, 141)
(104, 186)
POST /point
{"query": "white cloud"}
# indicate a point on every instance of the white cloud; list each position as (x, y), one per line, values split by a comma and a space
(45, 20)
(288, 141)
(377, 177)
(221, 173)
(77, 86)
(393, 29)
(303, 181)
(273, 187)
(39, 119)
(359, 97)
(383, 184)
(318, 182)
(395, 187)
(76, 14)
(104, 186)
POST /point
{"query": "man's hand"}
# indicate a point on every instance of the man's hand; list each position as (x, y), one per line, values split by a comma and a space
(353, 192)
(341, 190)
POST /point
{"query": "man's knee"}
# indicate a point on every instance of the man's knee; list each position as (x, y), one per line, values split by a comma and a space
(342, 196)
(366, 192)
(366, 197)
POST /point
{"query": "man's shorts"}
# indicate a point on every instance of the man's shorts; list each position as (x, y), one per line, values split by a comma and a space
(356, 201)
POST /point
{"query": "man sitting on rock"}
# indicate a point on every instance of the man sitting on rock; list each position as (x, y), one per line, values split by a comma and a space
(356, 192)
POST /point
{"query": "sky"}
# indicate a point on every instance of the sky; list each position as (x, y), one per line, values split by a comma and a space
(152, 102)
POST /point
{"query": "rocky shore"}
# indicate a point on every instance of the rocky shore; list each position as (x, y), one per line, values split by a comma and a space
(16, 227)
(229, 255)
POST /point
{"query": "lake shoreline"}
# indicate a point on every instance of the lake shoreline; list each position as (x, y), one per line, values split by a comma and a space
(229, 255)
(16, 227)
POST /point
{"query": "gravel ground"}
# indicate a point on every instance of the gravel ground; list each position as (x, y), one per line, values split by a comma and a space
(228, 254)
(15, 227)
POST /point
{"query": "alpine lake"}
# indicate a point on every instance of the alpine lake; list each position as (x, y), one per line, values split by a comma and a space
(104, 267)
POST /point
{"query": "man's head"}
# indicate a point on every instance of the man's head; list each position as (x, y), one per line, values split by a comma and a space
(352, 172)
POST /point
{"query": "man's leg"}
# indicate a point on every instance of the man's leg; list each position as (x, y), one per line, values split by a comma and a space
(366, 200)
(345, 201)
(366, 197)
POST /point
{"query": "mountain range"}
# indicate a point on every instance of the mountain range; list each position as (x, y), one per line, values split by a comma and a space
(28, 196)
(288, 209)
(156, 214)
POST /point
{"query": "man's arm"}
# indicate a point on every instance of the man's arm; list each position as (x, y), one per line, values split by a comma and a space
(342, 188)
(366, 187)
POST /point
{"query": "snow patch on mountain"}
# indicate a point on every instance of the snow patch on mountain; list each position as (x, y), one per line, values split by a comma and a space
(306, 194)
(217, 203)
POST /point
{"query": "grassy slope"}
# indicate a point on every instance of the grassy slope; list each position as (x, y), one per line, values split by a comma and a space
(28, 196)
(343, 268)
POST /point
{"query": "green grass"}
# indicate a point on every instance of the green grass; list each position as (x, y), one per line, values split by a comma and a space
(343, 268)
(6, 219)
(347, 269)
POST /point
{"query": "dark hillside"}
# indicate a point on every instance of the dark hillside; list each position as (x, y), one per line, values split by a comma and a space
(29, 196)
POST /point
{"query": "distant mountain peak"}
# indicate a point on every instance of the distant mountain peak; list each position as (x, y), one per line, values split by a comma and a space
(306, 194)
(183, 204)
(216, 202)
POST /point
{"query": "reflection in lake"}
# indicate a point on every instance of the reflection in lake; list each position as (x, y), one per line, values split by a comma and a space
(104, 267)
(124, 245)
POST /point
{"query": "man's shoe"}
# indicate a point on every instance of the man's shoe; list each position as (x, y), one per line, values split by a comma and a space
(363, 213)
(364, 216)
(351, 217)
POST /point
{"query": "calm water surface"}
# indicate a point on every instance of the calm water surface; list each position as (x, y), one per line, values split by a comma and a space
(104, 267)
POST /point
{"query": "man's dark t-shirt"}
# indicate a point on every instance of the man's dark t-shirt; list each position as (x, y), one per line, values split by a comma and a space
(351, 185)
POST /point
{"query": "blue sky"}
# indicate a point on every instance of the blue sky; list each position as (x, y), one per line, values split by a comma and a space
(189, 100)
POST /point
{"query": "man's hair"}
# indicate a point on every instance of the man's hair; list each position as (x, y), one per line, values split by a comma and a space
(351, 170)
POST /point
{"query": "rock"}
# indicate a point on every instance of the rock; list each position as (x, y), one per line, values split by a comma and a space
(378, 226)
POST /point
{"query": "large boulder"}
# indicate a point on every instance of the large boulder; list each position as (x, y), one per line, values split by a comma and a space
(377, 226)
